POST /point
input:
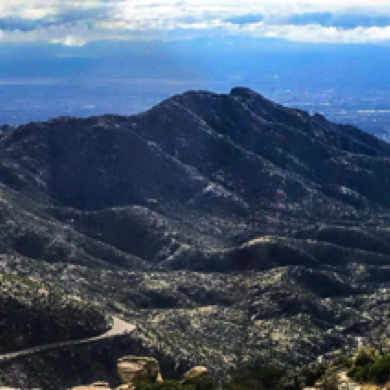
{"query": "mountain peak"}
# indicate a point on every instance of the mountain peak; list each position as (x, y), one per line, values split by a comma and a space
(243, 92)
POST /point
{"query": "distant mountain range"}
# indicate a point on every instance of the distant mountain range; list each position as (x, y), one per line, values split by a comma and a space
(252, 230)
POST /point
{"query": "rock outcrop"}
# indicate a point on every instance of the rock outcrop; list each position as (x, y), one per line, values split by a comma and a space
(195, 373)
(132, 369)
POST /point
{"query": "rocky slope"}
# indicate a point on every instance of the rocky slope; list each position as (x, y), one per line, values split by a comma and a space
(252, 230)
(33, 314)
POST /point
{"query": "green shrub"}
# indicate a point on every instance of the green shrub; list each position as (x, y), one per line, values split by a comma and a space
(365, 356)
(263, 378)
(359, 373)
(342, 361)
(380, 370)
(203, 382)
(311, 374)
(370, 367)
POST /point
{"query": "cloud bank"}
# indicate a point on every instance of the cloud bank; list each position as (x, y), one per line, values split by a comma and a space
(74, 23)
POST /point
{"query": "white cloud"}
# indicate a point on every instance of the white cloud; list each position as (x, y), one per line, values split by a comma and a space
(75, 22)
(69, 40)
(317, 34)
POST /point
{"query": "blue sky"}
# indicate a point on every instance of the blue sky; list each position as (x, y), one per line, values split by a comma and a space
(75, 22)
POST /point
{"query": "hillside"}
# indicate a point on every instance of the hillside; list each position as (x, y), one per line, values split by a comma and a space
(252, 230)
(33, 314)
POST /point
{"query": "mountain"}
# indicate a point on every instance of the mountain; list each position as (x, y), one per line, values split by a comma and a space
(252, 230)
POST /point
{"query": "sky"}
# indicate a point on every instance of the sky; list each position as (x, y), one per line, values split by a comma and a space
(75, 22)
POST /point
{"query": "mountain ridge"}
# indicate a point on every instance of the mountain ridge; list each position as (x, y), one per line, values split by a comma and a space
(246, 227)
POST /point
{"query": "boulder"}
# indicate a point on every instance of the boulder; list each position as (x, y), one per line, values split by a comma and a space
(195, 372)
(132, 368)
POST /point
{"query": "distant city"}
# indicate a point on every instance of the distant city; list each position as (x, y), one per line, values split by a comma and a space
(346, 83)
(39, 99)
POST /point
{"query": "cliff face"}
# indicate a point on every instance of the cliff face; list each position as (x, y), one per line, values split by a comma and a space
(249, 229)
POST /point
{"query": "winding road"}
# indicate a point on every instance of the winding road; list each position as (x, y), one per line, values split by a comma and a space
(119, 328)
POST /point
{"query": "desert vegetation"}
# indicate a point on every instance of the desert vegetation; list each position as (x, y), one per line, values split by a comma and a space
(369, 366)
(34, 314)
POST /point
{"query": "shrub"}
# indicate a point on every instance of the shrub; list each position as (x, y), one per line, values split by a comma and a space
(380, 370)
(311, 374)
(263, 378)
(370, 367)
(359, 373)
(330, 383)
(342, 361)
(203, 382)
(365, 356)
